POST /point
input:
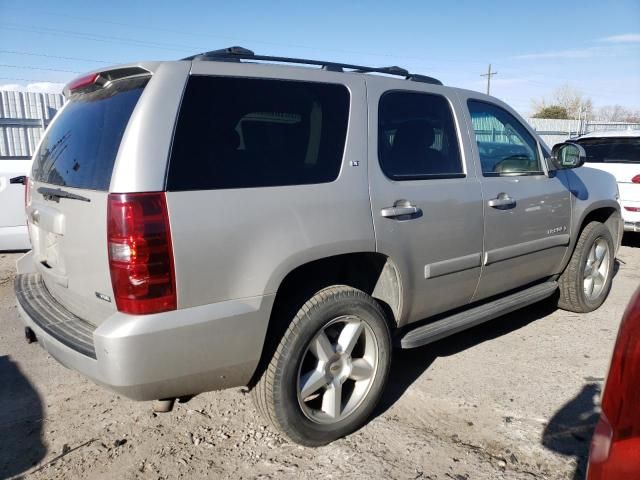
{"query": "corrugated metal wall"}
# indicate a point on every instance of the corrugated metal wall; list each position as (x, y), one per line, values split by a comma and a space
(23, 118)
(555, 131)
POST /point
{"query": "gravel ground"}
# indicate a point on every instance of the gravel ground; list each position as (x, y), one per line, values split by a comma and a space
(514, 399)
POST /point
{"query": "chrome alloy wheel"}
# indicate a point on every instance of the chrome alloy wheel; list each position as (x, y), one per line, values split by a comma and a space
(337, 370)
(596, 269)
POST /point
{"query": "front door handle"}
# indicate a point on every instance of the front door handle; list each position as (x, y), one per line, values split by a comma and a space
(401, 209)
(503, 201)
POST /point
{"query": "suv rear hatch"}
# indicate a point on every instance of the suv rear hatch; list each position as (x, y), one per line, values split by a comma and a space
(69, 190)
(620, 156)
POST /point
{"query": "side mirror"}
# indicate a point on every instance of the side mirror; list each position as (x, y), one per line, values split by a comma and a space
(568, 155)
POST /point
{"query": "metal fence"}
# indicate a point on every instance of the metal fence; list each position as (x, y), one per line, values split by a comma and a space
(23, 118)
(555, 131)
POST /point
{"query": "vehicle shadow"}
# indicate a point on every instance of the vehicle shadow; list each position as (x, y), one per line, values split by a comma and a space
(569, 431)
(408, 365)
(631, 239)
(21, 419)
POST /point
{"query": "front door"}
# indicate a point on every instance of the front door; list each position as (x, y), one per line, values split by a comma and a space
(527, 211)
(426, 200)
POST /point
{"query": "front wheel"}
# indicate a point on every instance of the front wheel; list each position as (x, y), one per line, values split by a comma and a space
(329, 370)
(585, 283)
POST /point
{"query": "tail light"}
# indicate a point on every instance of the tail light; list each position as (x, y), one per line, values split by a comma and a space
(615, 449)
(81, 83)
(27, 190)
(140, 253)
(632, 209)
(636, 179)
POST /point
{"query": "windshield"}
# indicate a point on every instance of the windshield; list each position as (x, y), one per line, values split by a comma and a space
(612, 149)
(80, 148)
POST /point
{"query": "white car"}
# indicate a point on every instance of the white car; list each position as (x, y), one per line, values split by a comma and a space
(618, 152)
(13, 221)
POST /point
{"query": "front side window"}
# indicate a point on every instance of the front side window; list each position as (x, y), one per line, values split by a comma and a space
(504, 144)
(244, 133)
(417, 137)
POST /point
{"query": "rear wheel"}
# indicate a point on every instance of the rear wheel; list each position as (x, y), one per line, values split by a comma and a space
(329, 370)
(585, 283)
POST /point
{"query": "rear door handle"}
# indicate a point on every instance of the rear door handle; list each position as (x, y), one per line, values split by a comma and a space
(503, 201)
(400, 211)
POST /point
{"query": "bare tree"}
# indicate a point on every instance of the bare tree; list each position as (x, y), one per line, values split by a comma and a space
(617, 113)
(569, 98)
(612, 113)
(633, 117)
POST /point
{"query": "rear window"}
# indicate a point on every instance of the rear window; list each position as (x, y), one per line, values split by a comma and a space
(80, 148)
(242, 133)
(612, 149)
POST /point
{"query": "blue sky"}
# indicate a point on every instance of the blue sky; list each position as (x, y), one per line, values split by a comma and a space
(535, 47)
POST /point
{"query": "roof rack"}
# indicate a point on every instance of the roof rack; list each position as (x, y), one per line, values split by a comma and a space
(235, 54)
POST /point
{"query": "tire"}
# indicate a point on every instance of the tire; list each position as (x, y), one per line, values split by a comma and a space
(335, 314)
(573, 286)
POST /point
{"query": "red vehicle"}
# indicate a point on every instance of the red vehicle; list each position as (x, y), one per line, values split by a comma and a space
(615, 447)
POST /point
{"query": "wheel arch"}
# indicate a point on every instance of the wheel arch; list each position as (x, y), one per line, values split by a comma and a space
(374, 273)
(606, 212)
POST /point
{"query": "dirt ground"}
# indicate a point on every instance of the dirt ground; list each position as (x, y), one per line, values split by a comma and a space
(514, 398)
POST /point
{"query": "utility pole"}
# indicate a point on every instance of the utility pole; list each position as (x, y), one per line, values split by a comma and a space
(489, 74)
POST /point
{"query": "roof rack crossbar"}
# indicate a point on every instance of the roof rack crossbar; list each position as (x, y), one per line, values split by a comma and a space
(235, 54)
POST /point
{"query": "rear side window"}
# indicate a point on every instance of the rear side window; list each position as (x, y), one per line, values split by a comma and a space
(80, 148)
(612, 149)
(243, 133)
(417, 137)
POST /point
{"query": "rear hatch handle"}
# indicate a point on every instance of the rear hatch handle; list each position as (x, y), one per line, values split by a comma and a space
(21, 180)
(56, 194)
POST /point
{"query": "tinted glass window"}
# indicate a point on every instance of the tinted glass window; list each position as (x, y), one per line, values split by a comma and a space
(504, 144)
(241, 132)
(612, 149)
(80, 148)
(417, 137)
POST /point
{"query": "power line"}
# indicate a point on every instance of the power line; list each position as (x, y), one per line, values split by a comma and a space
(34, 54)
(29, 67)
(209, 35)
(37, 80)
(100, 38)
(181, 47)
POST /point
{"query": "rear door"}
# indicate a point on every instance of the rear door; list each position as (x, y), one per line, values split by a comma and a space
(527, 212)
(425, 196)
(69, 188)
(266, 173)
(12, 215)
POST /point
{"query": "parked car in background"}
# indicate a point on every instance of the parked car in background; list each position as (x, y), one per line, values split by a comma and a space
(13, 219)
(618, 152)
(216, 222)
(615, 447)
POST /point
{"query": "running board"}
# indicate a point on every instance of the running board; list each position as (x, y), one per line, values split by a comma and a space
(439, 329)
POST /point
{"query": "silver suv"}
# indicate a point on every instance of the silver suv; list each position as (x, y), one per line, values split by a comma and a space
(232, 220)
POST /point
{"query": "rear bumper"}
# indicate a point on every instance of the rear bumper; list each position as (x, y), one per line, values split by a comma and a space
(14, 238)
(631, 218)
(631, 226)
(162, 355)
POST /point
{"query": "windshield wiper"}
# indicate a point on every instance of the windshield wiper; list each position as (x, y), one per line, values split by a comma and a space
(56, 194)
